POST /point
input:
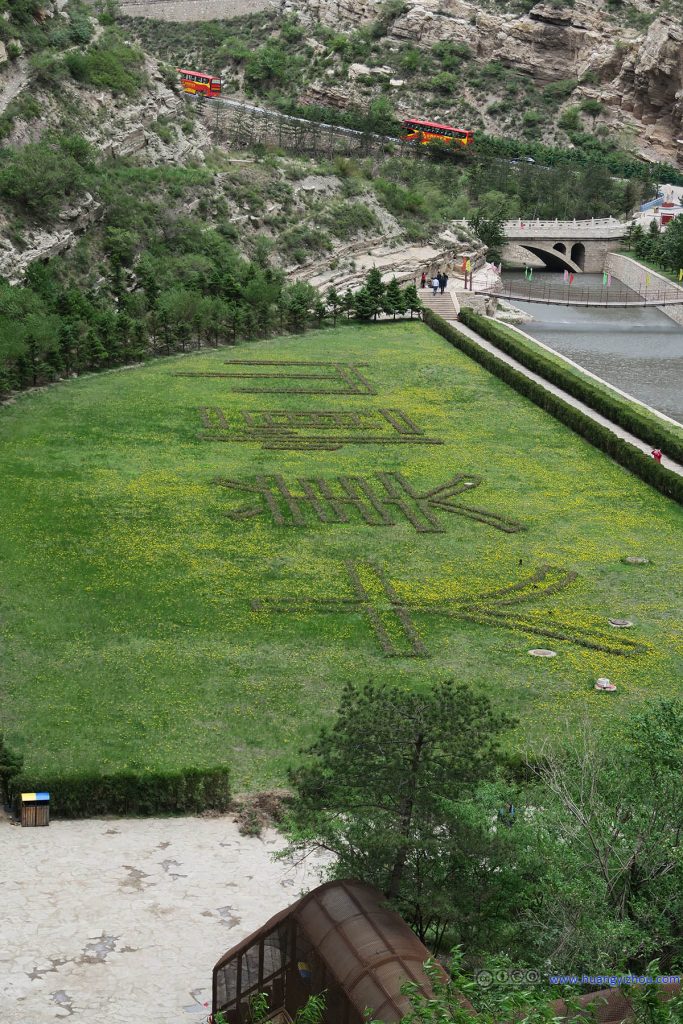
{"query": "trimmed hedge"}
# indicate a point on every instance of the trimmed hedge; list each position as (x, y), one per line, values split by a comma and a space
(625, 454)
(639, 422)
(130, 793)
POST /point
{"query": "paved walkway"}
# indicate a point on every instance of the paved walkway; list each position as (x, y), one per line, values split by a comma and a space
(676, 467)
(120, 921)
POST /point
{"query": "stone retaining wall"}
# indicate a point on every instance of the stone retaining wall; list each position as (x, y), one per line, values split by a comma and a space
(633, 275)
(191, 10)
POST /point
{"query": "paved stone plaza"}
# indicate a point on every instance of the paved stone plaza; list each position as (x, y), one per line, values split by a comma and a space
(119, 921)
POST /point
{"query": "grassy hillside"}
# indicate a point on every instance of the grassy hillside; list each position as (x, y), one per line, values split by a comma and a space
(126, 586)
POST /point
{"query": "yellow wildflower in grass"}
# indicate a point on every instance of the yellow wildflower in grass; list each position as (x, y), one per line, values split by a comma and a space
(126, 590)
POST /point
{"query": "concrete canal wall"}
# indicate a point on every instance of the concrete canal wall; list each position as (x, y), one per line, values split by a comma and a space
(634, 274)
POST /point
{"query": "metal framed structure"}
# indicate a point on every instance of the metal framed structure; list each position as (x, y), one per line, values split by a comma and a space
(340, 938)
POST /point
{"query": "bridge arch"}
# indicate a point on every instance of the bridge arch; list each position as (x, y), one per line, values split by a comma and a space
(578, 254)
(560, 246)
(552, 257)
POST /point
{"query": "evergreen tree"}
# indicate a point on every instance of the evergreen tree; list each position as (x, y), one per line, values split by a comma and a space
(96, 355)
(10, 766)
(393, 299)
(672, 245)
(411, 299)
(349, 303)
(334, 303)
(68, 343)
(382, 790)
(365, 306)
(375, 289)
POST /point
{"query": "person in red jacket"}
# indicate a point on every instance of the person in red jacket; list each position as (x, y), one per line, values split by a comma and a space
(657, 454)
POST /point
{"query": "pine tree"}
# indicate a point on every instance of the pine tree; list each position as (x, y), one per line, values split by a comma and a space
(349, 303)
(10, 765)
(334, 303)
(375, 289)
(393, 299)
(364, 306)
(672, 245)
(411, 299)
(380, 790)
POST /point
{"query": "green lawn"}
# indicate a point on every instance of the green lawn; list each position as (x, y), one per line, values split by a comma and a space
(127, 632)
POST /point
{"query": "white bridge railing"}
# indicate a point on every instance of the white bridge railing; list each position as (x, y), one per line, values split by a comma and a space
(597, 228)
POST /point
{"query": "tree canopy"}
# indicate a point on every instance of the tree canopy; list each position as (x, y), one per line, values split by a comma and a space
(385, 790)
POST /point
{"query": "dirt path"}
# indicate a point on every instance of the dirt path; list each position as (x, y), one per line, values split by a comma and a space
(110, 921)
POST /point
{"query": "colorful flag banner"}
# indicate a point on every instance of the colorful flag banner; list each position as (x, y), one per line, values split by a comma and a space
(609, 280)
(647, 279)
(464, 263)
(571, 279)
(680, 274)
(468, 266)
(604, 279)
(566, 276)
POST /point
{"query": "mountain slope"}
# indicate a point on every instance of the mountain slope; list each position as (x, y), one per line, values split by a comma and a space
(560, 72)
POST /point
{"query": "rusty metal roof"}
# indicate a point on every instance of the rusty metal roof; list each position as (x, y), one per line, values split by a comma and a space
(367, 947)
(609, 1006)
(371, 952)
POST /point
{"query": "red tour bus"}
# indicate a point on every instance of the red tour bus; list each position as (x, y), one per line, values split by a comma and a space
(196, 83)
(427, 131)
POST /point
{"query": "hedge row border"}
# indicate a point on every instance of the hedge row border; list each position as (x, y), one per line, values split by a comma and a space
(642, 425)
(627, 455)
(129, 794)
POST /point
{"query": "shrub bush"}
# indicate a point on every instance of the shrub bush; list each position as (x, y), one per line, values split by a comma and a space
(345, 220)
(111, 64)
(625, 454)
(38, 178)
(130, 793)
(644, 425)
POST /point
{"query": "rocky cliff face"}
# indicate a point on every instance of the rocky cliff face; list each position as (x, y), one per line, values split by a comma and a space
(637, 74)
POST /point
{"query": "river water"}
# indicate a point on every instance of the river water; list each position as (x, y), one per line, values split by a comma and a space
(639, 350)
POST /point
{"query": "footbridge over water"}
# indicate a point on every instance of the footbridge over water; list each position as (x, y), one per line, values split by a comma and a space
(574, 245)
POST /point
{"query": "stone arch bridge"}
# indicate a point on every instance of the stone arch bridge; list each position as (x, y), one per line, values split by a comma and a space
(575, 245)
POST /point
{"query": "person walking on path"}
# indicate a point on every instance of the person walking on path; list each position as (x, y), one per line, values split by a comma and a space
(423, 280)
(444, 282)
(436, 284)
(657, 455)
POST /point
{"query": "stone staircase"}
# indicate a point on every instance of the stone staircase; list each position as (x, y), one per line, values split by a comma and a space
(445, 305)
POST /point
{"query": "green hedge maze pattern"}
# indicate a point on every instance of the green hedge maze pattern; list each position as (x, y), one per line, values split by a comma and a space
(378, 502)
(341, 378)
(390, 616)
(317, 430)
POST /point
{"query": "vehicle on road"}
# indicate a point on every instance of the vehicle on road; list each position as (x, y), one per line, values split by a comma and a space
(425, 132)
(196, 83)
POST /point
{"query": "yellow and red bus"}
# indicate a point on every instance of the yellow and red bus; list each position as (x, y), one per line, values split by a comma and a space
(197, 83)
(424, 132)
